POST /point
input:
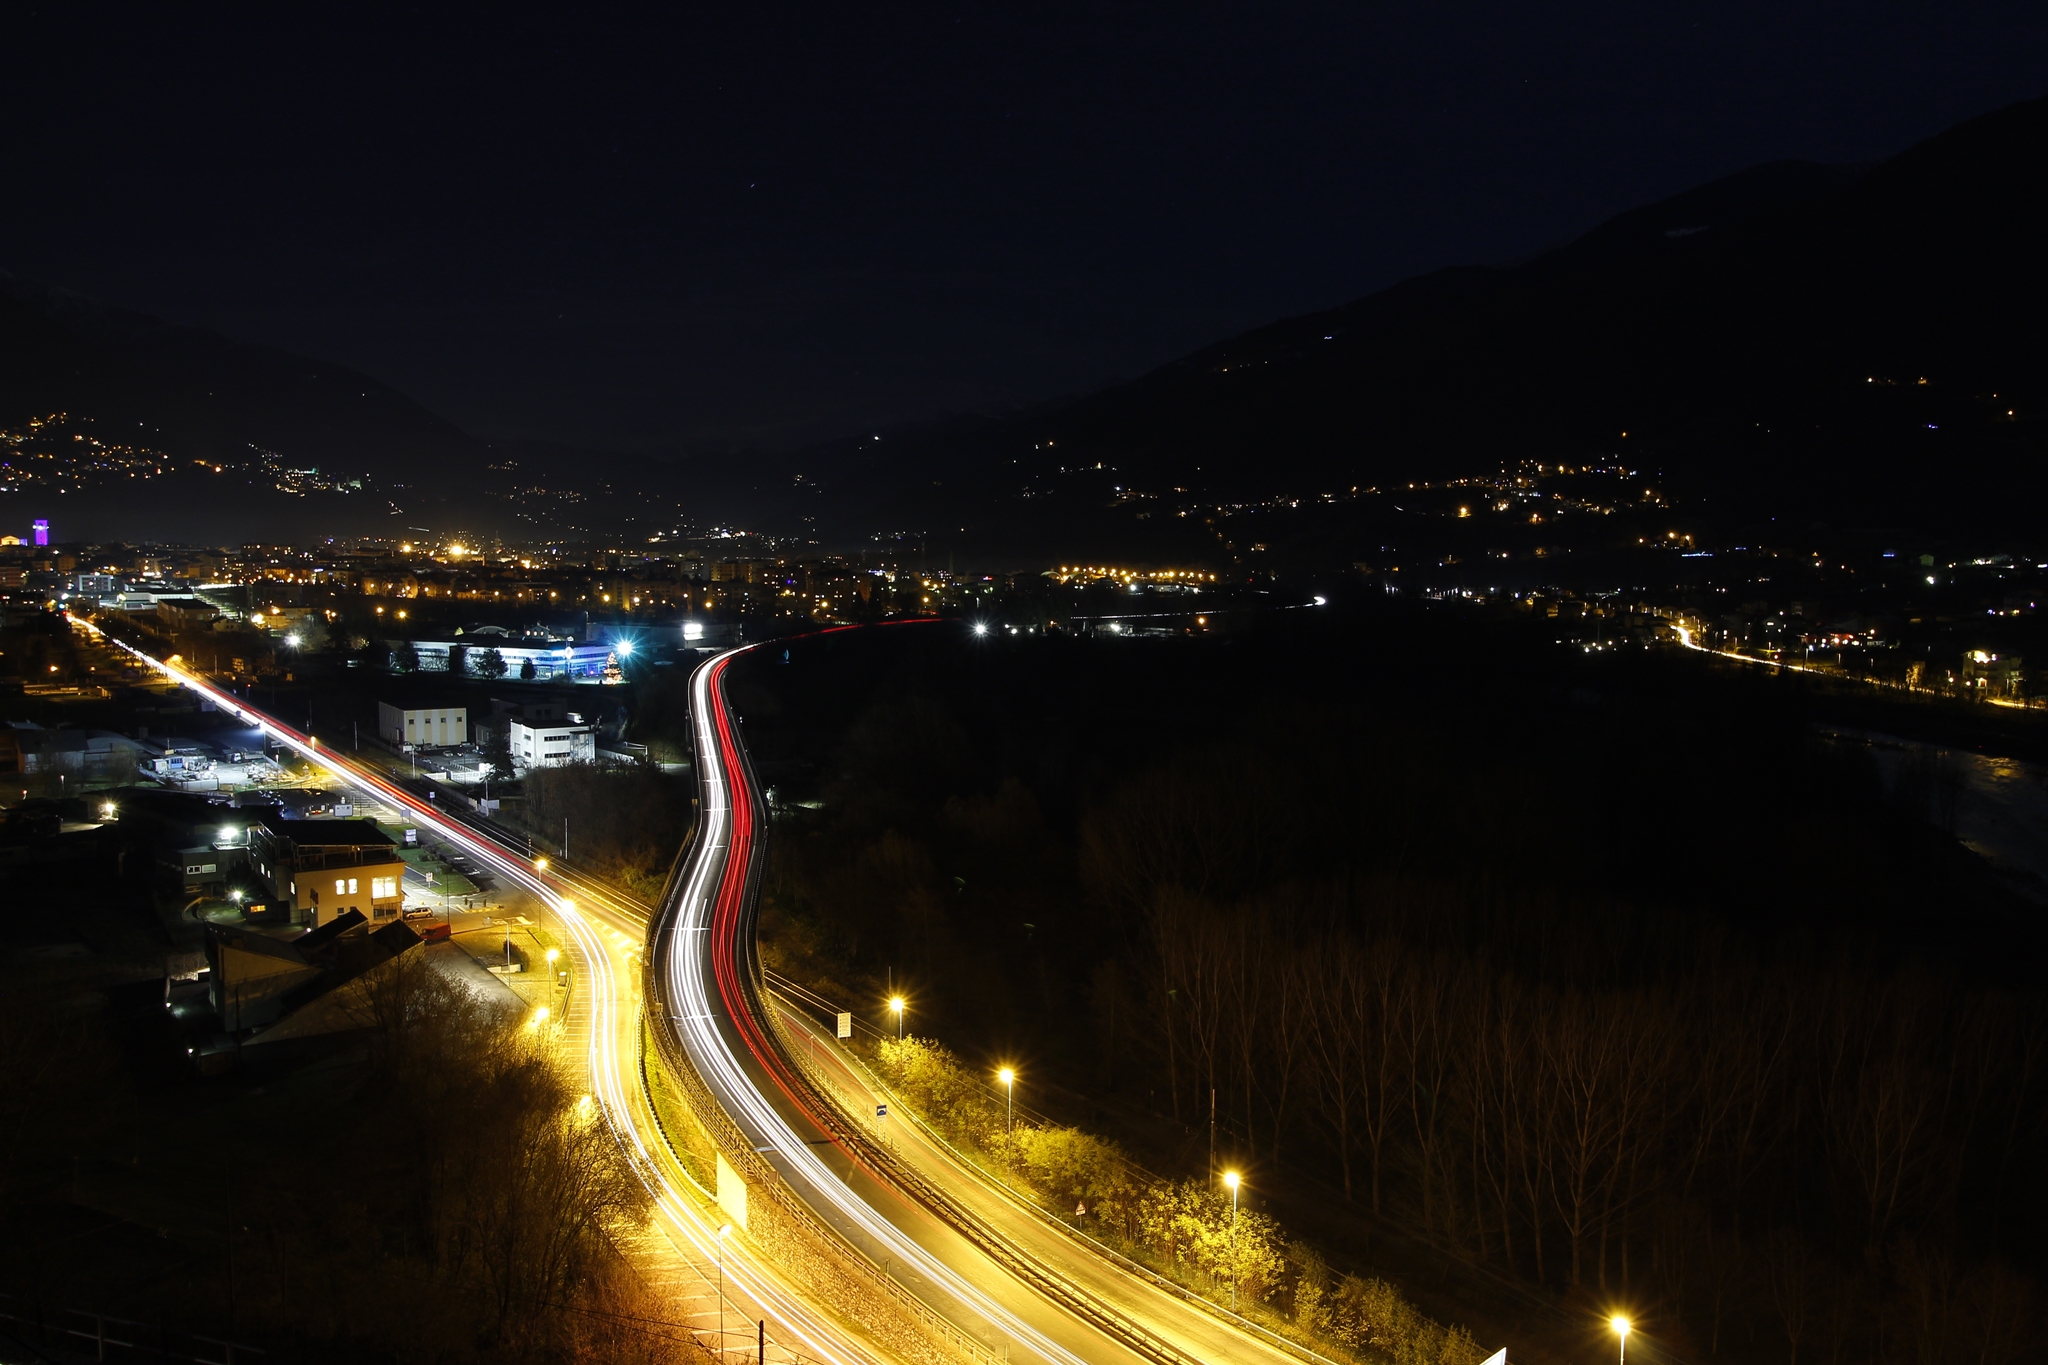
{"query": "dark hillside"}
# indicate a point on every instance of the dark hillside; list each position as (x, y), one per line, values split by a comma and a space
(1862, 344)
(200, 394)
(1751, 336)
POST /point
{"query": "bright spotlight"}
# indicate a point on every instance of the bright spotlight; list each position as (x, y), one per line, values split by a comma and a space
(624, 647)
(980, 628)
(292, 640)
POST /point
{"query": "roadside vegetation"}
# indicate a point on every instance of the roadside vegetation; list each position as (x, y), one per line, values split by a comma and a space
(1185, 1230)
(429, 1189)
(625, 823)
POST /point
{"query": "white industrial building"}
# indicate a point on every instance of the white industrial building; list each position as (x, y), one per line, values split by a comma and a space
(434, 726)
(555, 661)
(550, 745)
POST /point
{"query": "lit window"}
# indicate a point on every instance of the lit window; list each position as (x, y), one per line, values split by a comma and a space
(383, 888)
(340, 887)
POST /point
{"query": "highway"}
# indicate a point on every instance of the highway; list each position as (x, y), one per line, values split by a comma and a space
(990, 1279)
(984, 1263)
(608, 934)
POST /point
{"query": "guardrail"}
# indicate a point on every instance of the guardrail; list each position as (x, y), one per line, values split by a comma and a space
(111, 1338)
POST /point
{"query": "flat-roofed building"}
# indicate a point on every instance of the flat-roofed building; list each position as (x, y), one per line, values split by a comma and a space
(541, 744)
(434, 726)
(323, 869)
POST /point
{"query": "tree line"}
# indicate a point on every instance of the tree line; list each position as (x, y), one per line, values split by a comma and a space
(1827, 1153)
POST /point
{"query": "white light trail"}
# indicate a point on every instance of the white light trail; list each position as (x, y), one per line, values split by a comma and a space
(689, 970)
(613, 1068)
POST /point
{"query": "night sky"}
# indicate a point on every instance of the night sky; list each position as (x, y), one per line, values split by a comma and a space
(760, 224)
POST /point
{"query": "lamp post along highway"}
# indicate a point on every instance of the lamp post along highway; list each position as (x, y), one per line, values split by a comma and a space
(1621, 1328)
(724, 1231)
(1009, 1080)
(1230, 1179)
(896, 1004)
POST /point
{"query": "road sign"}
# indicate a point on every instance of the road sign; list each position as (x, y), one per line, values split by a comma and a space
(881, 1111)
(846, 1023)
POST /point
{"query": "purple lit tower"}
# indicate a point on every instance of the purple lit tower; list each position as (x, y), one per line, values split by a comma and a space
(42, 527)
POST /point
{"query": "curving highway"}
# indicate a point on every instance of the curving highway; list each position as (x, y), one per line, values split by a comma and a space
(984, 1264)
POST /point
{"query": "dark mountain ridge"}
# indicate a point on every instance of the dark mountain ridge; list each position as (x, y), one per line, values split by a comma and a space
(1762, 341)
(205, 395)
(1766, 303)
(1867, 345)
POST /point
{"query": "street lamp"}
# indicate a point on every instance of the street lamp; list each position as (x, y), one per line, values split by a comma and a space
(1620, 1325)
(1009, 1080)
(724, 1231)
(553, 955)
(896, 1004)
(1230, 1179)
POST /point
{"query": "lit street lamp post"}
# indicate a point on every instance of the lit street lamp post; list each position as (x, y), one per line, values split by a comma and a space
(724, 1230)
(896, 1004)
(1230, 1179)
(1621, 1325)
(1009, 1080)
